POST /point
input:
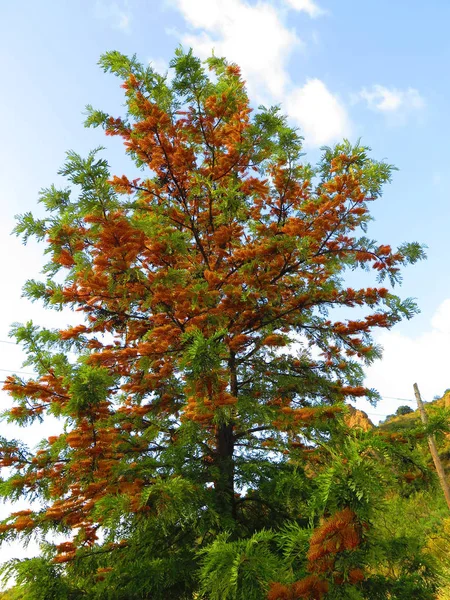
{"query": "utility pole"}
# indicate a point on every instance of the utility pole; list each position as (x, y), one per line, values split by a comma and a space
(432, 445)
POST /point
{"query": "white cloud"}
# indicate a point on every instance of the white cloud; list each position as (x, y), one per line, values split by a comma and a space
(256, 37)
(320, 115)
(423, 359)
(307, 6)
(252, 35)
(124, 22)
(118, 14)
(160, 65)
(441, 319)
(392, 100)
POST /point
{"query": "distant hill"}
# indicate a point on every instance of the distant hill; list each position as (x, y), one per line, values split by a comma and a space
(411, 422)
(358, 418)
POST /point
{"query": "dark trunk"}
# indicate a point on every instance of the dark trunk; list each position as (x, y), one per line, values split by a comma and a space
(224, 484)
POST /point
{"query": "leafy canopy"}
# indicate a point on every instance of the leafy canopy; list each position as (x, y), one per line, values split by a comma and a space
(203, 392)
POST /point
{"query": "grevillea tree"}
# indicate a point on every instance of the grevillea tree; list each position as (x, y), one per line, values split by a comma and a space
(204, 451)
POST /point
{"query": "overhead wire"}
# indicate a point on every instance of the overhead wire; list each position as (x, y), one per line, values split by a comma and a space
(17, 371)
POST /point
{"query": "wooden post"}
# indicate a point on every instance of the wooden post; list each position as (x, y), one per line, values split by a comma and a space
(432, 444)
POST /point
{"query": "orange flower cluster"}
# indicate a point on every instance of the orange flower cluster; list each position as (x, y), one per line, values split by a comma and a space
(311, 587)
(298, 417)
(23, 521)
(339, 533)
(203, 409)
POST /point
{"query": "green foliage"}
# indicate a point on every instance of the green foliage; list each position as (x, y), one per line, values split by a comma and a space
(38, 579)
(88, 386)
(239, 570)
(205, 446)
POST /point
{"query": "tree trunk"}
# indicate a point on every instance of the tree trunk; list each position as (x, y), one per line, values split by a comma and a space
(224, 484)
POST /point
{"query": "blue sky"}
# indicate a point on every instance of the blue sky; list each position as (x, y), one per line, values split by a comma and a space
(375, 70)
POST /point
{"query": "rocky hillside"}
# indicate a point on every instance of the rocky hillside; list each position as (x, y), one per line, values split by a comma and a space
(358, 418)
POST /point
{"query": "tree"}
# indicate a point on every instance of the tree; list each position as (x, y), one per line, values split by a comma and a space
(403, 410)
(216, 352)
